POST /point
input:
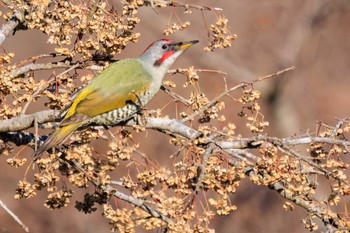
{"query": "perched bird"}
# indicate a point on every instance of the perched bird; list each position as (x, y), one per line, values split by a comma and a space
(117, 93)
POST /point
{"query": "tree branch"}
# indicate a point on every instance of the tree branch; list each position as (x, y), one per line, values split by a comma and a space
(227, 91)
(202, 166)
(9, 27)
(172, 126)
(15, 217)
(186, 5)
(39, 66)
(23, 122)
(134, 201)
(212, 102)
(175, 127)
(326, 215)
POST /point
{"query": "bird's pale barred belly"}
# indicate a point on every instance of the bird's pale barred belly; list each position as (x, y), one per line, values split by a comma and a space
(115, 116)
(120, 114)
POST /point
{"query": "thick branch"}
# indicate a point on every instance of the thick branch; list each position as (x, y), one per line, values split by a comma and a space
(308, 140)
(23, 122)
(9, 27)
(172, 126)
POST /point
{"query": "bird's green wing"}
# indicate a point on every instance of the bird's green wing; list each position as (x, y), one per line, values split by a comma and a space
(117, 85)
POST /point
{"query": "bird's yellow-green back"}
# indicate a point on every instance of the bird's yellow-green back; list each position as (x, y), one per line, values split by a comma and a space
(118, 84)
(113, 88)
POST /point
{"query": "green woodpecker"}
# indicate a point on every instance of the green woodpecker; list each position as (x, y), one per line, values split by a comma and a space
(117, 93)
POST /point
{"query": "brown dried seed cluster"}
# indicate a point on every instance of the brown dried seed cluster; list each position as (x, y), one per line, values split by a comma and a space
(288, 206)
(249, 95)
(221, 180)
(121, 149)
(169, 83)
(221, 36)
(25, 190)
(192, 76)
(229, 129)
(119, 219)
(175, 27)
(59, 199)
(310, 224)
(213, 112)
(16, 162)
(98, 28)
(47, 178)
(10, 87)
(222, 205)
(6, 148)
(197, 100)
(256, 123)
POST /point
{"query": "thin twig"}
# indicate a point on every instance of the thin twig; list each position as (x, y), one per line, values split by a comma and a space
(34, 58)
(181, 70)
(227, 91)
(202, 166)
(310, 205)
(32, 96)
(175, 96)
(15, 217)
(338, 126)
(274, 75)
(44, 85)
(180, 4)
(134, 201)
(284, 149)
(212, 102)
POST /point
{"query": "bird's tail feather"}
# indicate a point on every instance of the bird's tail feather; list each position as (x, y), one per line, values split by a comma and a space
(56, 138)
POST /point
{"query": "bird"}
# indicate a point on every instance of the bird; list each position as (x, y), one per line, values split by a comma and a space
(118, 92)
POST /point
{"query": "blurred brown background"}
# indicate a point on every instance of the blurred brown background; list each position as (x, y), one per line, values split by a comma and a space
(313, 35)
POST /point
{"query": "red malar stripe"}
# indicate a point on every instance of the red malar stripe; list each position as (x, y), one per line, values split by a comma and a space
(164, 57)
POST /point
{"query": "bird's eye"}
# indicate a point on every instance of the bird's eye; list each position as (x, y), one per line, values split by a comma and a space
(164, 46)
